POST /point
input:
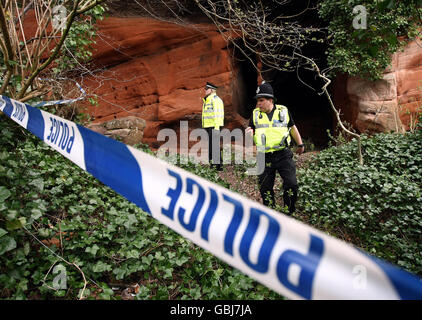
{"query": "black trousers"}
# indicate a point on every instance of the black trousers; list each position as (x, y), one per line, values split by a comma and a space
(214, 139)
(281, 162)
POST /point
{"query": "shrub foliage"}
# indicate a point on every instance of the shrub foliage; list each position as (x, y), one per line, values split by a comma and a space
(377, 206)
(54, 214)
(51, 210)
(366, 52)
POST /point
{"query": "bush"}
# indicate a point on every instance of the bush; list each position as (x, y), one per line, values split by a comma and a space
(376, 206)
(367, 52)
(52, 213)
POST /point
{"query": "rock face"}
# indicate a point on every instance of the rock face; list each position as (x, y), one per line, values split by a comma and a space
(389, 104)
(157, 71)
(408, 66)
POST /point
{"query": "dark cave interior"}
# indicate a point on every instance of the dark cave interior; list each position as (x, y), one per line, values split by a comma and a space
(299, 90)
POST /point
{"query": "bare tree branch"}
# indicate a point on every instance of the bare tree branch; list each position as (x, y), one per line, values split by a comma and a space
(270, 36)
(29, 49)
(336, 112)
(5, 32)
(53, 54)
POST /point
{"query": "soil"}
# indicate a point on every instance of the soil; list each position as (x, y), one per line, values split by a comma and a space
(247, 185)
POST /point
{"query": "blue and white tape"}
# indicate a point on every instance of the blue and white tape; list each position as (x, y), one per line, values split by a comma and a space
(288, 256)
(67, 101)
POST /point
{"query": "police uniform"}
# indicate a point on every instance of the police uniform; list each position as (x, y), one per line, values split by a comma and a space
(212, 120)
(272, 136)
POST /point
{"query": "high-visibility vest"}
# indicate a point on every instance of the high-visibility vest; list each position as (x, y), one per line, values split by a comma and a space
(212, 111)
(272, 135)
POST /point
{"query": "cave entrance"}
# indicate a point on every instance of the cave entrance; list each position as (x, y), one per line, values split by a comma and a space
(246, 79)
(299, 91)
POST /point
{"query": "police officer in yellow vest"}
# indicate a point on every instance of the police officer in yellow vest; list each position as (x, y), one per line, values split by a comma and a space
(212, 121)
(273, 127)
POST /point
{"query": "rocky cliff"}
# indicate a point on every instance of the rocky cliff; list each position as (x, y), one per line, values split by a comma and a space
(157, 71)
(389, 104)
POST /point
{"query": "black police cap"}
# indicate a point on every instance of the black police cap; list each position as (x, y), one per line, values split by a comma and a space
(265, 90)
(211, 86)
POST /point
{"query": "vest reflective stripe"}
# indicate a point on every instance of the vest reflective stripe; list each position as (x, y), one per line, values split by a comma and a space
(272, 135)
(262, 126)
(212, 117)
(278, 124)
(212, 111)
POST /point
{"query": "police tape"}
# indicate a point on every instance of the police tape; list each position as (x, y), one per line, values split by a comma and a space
(287, 256)
(68, 101)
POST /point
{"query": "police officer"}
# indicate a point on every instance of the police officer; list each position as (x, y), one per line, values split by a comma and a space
(273, 127)
(212, 121)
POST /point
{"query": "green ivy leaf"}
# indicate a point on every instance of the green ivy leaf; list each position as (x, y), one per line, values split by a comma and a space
(101, 267)
(131, 220)
(14, 224)
(2, 232)
(92, 250)
(36, 213)
(38, 183)
(6, 244)
(132, 254)
(386, 4)
(4, 193)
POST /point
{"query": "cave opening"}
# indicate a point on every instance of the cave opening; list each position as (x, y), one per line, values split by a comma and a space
(300, 90)
(246, 82)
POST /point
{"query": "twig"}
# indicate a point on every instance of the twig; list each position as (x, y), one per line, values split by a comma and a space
(45, 277)
(153, 248)
(61, 238)
(336, 112)
(85, 282)
(64, 260)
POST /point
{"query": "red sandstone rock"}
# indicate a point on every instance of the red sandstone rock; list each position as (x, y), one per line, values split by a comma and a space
(389, 104)
(157, 71)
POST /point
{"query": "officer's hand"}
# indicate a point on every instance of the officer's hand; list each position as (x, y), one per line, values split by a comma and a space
(249, 130)
(300, 149)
